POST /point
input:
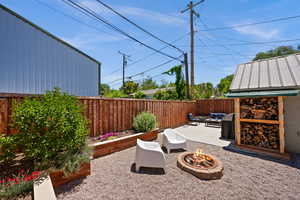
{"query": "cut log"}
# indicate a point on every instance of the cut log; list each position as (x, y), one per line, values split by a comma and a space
(261, 135)
(259, 108)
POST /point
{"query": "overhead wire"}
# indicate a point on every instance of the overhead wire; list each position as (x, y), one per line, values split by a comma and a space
(91, 13)
(71, 17)
(138, 26)
(143, 72)
(251, 24)
(149, 55)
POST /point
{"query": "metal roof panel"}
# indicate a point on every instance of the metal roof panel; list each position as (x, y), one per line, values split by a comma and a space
(264, 75)
(274, 73)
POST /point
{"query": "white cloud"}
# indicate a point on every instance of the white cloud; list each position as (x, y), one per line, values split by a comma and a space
(87, 41)
(167, 19)
(258, 32)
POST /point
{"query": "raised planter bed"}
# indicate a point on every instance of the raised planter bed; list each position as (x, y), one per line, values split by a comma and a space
(111, 146)
(58, 178)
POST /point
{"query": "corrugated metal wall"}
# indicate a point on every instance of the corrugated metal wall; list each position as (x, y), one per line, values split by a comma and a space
(33, 62)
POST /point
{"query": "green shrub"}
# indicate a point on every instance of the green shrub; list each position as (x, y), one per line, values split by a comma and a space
(71, 163)
(7, 146)
(144, 122)
(139, 95)
(50, 128)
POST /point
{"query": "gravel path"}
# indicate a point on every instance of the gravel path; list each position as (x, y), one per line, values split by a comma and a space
(245, 177)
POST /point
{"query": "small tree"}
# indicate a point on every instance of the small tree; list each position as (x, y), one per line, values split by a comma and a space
(130, 87)
(179, 83)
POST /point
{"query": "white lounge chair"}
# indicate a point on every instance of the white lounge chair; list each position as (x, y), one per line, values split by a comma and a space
(172, 140)
(149, 154)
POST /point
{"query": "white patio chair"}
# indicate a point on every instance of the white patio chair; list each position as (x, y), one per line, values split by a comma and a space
(149, 154)
(172, 140)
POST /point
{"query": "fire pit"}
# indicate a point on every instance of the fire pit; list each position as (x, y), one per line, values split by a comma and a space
(201, 165)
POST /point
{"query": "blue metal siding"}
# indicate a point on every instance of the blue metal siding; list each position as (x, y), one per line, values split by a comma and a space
(32, 62)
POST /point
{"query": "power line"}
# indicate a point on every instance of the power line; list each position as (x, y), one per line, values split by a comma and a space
(81, 8)
(143, 72)
(149, 55)
(255, 43)
(138, 26)
(70, 17)
(219, 44)
(252, 24)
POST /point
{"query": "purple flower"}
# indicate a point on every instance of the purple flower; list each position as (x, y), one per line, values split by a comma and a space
(107, 135)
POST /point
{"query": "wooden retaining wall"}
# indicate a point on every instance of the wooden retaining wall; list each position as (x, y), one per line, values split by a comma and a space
(106, 115)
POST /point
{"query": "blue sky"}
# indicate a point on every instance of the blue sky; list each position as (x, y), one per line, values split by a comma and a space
(215, 57)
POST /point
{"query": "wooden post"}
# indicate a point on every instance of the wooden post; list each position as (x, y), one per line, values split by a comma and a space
(281, 124)
(237, 121)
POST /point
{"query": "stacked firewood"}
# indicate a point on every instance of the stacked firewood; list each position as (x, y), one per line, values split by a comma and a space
(259, 108)
(261, 135)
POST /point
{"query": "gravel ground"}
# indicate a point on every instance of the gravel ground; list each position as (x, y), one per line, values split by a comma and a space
(245, 177)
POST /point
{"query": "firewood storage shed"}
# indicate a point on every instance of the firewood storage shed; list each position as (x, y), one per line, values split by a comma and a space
(267, 105)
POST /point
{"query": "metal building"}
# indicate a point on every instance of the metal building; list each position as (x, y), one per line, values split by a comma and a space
(32, 60)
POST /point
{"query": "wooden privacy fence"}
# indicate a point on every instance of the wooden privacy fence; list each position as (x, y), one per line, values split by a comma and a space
(206, 106)
(106, 115)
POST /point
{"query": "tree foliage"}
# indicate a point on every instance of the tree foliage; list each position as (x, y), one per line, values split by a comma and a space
(148, 84)
(115, 94)
(179, 82)
(165, 95)
(139, 95)
(130, 87)
(224, 85)
(279, 51)
(104, 89)
(204, 90)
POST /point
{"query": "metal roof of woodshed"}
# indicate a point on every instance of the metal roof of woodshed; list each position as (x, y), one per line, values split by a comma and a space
(269, 74)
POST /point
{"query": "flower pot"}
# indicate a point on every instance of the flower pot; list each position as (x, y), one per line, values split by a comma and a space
(58, 178)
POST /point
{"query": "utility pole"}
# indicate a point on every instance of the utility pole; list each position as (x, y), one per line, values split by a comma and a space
(185, 62)
(190, 7)
(125, 58)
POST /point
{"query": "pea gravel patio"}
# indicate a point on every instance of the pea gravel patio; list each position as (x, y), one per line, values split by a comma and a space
(245, 177)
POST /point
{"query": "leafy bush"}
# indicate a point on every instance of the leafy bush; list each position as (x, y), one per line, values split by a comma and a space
(49, 128)
(7, 147)
(115, 94)
(165, 95)
(144, 122)
(139, 95)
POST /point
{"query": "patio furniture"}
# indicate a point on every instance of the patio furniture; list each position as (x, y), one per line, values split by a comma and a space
(193, 120)
(172, 140)
(149, 154)
(215, 119)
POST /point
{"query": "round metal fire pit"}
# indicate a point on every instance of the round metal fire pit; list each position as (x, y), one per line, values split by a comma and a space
(211, 169)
